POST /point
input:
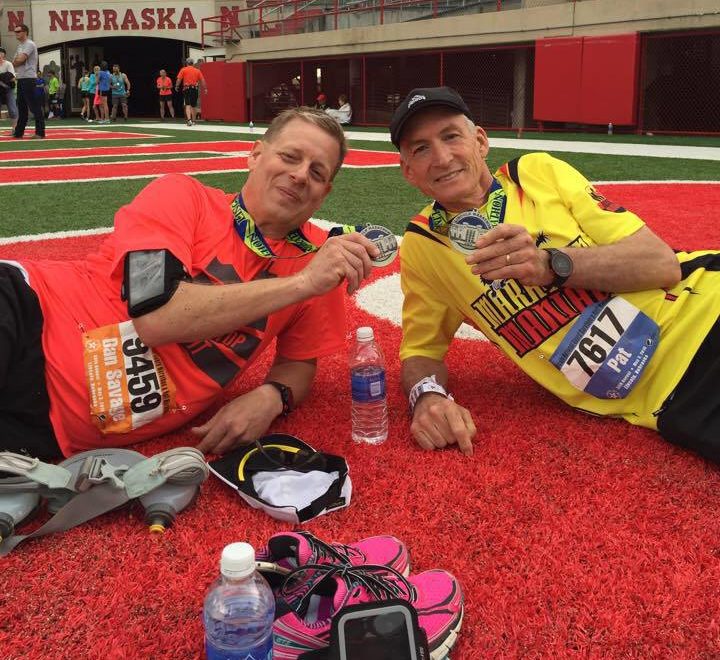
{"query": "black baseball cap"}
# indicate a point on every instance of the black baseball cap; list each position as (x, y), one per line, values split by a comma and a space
(421, 98)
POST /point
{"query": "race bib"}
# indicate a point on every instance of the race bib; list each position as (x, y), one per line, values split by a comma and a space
(128, 385)
(607, 349)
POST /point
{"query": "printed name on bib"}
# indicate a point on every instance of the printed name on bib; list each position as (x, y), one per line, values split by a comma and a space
(607, 349)
(127, 383)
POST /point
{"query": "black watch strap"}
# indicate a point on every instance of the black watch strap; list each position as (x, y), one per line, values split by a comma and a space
(561, 265)
(286, 395)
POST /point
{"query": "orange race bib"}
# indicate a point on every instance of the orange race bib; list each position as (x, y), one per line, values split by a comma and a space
(128, 385)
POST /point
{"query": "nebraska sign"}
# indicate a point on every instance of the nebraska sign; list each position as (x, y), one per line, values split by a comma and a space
(56, 21)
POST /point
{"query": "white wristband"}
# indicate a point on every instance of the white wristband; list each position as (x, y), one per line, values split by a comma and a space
(425, 386)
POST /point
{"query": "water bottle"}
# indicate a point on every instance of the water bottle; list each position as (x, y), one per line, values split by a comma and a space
(369, 401)
(239, 609)
(251, 126)
(610, 128)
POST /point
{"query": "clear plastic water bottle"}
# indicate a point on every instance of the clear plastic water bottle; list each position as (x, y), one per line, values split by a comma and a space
(369, 400)
(610, 128)
(239, 609)
(251, 126)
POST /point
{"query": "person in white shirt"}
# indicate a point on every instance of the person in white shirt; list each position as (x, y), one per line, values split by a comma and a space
(7, 87)
(343, 114)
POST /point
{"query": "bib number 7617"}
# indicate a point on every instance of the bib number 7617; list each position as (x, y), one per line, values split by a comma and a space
(607, 348)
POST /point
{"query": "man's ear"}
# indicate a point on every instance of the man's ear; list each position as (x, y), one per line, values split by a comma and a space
(407, 171)
(483, 141)
(254, 154)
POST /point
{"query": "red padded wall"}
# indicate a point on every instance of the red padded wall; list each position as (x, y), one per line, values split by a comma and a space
(588, 80)
(608, 90)
(558, 67)
(226, 97)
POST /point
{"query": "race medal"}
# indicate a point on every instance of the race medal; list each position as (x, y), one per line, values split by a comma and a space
(466, 228)
(607, 349)
(385, 241)
(127, 384)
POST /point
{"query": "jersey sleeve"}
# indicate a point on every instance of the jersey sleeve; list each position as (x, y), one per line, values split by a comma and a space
(317, 328)
(428, 323)
(164, 215)
(602, 220)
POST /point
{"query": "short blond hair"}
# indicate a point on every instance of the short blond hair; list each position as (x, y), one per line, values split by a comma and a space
(311, 116)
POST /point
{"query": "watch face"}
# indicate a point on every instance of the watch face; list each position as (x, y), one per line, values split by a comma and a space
(561, 264)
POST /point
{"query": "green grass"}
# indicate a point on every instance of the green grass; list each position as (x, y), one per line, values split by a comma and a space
(378, 195)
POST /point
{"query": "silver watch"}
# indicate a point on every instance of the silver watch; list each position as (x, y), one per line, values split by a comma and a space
(425, 386)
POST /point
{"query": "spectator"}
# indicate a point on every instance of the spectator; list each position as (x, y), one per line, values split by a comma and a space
(321, 102)
(84, 87)
(192, 81)
(120, 85)
(164, 85)
(343, 114)
(26, 67)
(7, 88)
(53, 86)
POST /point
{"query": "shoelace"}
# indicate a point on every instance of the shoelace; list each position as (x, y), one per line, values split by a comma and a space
(382, 582)
(336, 551)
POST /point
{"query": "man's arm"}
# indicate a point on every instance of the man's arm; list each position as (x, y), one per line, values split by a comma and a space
(638, 262)
(127, 84)
(20, 58)
(248, 417)
(437, 421)
(198, 311)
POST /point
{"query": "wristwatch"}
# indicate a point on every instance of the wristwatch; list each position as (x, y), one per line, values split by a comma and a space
(288, 401)
(561, 265)
(426, 386)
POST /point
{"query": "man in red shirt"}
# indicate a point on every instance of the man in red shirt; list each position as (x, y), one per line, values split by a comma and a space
(190, 288)
(192, 80)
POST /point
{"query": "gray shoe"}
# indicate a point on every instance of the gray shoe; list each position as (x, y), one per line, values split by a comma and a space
(37, 137)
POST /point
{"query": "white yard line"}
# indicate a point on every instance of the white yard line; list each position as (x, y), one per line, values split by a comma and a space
(607, 148)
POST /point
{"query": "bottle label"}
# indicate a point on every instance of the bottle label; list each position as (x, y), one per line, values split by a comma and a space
(261, 652)
(368, 388)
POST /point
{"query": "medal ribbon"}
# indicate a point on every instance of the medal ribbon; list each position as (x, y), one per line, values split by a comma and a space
(255, 241)
(494, 209)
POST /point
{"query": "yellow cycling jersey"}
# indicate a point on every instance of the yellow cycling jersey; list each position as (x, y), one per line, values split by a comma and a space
(607, 354)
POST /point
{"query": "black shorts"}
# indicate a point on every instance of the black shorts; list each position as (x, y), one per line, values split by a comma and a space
(691, 416)
(107, 93)
(190, 94)
(84, 95)
(24, 404)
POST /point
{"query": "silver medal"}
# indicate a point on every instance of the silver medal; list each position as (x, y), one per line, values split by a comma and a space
(385, 241)
(465, 228)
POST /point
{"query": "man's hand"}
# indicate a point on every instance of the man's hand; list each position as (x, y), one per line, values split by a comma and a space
(240, 422)
(341, 258)
(438, 422)
(509, 252)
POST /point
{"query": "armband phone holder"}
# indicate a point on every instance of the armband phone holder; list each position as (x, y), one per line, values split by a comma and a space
(382, 630)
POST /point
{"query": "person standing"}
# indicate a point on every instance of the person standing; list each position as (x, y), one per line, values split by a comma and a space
(26, 64)
(120, 85)
(192, 80)
(103, 85)
(164, 85)
(53, 87)
(7, 88)
(84, 86)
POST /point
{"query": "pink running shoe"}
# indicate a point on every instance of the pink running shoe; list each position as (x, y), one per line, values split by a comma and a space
(435, 595)
(291, 550)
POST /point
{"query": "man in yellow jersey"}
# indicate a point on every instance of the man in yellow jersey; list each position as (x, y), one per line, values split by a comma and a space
(576, 290)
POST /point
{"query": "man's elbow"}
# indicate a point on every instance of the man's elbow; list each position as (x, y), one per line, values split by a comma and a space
(669, 272)
(151, 329)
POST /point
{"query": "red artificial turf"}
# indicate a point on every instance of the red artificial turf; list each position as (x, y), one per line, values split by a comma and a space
(572, 536)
